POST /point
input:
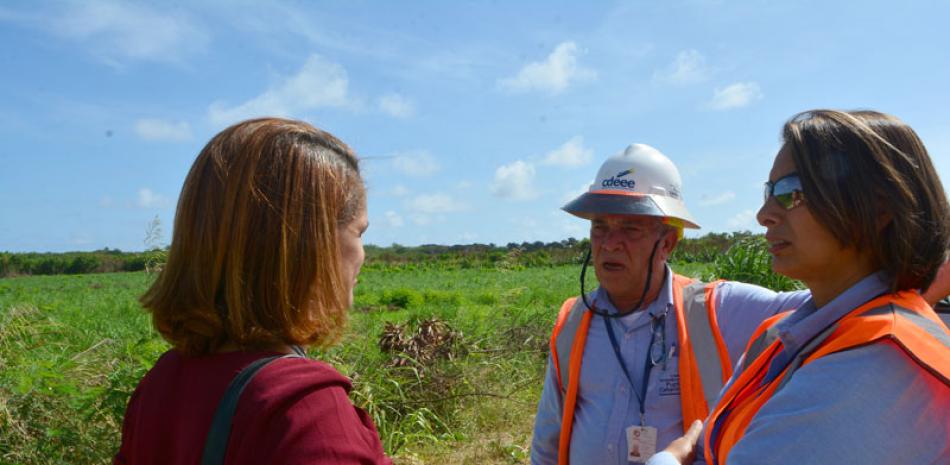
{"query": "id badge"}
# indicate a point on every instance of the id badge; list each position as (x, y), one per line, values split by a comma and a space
(641, 443)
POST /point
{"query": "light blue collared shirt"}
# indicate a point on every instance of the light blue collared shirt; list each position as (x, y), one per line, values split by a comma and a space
(870, 404)
(606, 402)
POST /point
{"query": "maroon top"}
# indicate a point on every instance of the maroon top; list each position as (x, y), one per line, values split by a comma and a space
(294, 411)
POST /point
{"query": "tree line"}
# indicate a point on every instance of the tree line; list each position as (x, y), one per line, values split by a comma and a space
(513, 255)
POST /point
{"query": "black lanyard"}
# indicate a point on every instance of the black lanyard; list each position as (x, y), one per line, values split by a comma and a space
(657, 324)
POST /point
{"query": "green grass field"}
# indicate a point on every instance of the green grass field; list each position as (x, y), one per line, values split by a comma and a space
(458, 382)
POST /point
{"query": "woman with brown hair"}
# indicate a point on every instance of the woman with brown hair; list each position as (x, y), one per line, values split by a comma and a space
(265, 252)
(860, 373)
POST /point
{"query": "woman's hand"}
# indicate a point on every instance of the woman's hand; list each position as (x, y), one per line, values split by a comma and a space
(684, 448)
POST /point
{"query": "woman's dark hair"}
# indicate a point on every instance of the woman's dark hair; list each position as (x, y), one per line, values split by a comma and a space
(869, 180)
(255, 258)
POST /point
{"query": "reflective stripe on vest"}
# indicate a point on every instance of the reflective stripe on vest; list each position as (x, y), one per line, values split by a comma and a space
(903, 318)
(703, 358)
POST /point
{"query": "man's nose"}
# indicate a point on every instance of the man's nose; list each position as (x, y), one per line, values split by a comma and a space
(613, 240)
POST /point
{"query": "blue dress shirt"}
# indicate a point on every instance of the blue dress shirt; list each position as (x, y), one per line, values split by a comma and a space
(606, 402)
(870, 404)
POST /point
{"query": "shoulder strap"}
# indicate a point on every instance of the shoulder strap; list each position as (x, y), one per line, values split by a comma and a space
(553, 342)
(573, 319)
(762, 338)
(705, 340)
(216, 443)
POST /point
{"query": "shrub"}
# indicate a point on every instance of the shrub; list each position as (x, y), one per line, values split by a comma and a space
(6, 265)
(82, 264)
(50, 264)
(134, 262)
(442, 298)
(486, 298)
(748, 261)
(402, 298)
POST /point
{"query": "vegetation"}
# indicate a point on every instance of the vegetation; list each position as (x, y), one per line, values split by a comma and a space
(100, 261)
(457, 381)
(446, 347)
(748, 261)
(513, 256)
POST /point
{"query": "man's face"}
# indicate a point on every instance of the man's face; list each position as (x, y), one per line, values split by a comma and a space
(621, 246)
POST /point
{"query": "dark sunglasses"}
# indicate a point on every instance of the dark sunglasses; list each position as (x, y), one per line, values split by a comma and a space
(786, 190)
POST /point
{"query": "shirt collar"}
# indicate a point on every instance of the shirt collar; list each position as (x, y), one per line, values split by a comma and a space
(807, 321)
(662, 304)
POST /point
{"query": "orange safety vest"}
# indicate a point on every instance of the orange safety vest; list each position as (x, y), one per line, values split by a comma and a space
(703, 359)
(903, 318)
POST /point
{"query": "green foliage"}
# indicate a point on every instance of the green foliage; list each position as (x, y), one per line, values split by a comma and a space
(706, 248)
(473, 256)
(395, 258)
(72, 348)
(749, 261)
(402, 298)
(442, 298)
(100, 261)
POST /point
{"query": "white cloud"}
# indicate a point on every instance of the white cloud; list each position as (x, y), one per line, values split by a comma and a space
(571, 154)
(122, 30)
(319, 83)
(736, 95)
(394, 220)
(149, 199)
(553, 75)
(399, 191)
(717, 199)
(159, 130)
(689, 67)
(416, 163)
(396, 105)
(435, 203)
(515, 181)
(744, 220)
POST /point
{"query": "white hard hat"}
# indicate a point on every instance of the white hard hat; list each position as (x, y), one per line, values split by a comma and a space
(637, 181)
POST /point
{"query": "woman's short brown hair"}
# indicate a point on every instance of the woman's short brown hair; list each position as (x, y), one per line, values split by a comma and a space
(254, 258)
(868, 178)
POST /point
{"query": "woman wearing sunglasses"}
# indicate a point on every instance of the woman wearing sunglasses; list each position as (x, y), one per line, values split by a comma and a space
(860, 373)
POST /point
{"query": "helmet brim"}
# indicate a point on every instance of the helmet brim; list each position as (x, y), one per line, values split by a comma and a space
(589, 204)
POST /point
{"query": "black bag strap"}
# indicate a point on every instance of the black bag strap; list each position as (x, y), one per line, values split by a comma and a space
(216, 443)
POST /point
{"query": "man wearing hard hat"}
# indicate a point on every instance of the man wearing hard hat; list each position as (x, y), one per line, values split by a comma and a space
(646, 352)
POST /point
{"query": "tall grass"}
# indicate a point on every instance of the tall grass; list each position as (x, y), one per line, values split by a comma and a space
(72, 349)
(749, 261)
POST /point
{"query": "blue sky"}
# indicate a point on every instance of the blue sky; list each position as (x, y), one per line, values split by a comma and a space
(478, 120)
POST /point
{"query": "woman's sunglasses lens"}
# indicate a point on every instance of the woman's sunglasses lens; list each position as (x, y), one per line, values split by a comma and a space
(787, 191)
(786, 200)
